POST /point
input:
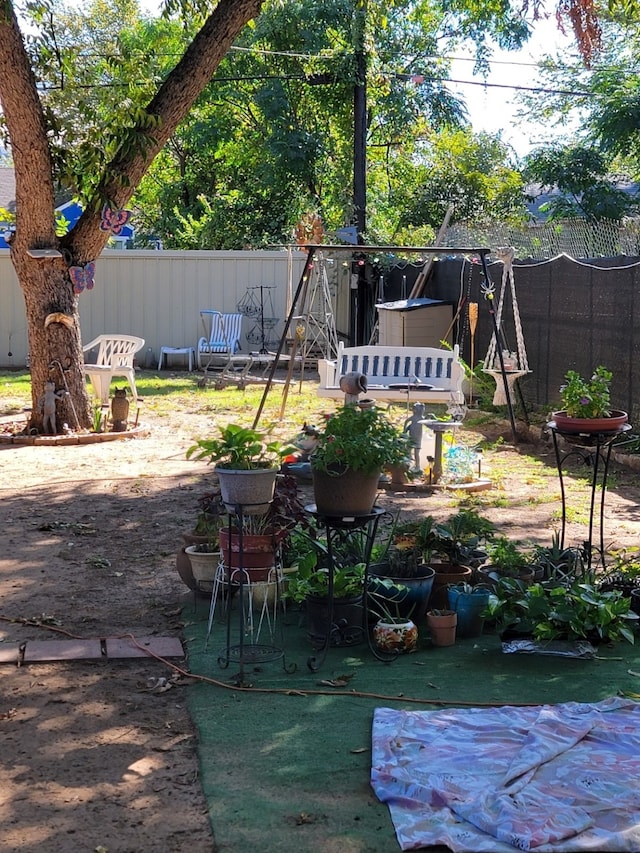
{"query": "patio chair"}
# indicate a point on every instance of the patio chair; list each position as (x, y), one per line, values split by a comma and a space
(221, 340)
(114, 358)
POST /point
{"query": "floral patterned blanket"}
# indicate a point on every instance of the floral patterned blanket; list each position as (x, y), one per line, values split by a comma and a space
(550, 778)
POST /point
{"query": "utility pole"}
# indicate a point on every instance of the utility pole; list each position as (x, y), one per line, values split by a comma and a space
(360, 119)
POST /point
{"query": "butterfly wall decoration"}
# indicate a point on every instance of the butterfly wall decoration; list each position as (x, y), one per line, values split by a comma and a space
(82, 277)
(113, 220)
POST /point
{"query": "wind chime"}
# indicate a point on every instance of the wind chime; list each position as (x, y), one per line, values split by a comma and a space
(506, 365)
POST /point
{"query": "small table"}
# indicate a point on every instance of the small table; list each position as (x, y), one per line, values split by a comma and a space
(190, 352)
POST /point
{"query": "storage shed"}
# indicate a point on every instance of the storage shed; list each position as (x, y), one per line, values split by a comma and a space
(415, 322)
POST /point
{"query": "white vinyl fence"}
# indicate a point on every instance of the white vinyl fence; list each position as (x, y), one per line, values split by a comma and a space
(159, 295)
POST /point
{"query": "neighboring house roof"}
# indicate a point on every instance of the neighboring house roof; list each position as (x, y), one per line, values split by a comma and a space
(71, 210)
(541, 196)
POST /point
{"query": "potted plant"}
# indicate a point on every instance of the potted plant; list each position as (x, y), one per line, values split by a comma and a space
(397, 559)
(340, 622)
(547, 612)
(259, 543)
(469, 603)
(442, 624)
(246, 462)
(204, 552)
(453, 549)
(506, 559)
(350, 453)
(587, 404)
(393, 631)
(553, 562)
(623, 574)
(203, 539)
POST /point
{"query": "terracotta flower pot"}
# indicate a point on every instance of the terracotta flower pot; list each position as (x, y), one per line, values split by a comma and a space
(259, 553)
(446, 574)
(614, 423)
(442, 627)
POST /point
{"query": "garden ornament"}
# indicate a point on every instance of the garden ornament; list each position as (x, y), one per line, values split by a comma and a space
(47, 405)
(413, 426)
(353, 384)
(119, 410)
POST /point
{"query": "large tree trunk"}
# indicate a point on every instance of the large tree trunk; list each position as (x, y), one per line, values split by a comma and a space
(55, 346)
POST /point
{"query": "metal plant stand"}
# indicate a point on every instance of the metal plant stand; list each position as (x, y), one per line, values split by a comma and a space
(339, 528)
(236, 583)
(594, 450)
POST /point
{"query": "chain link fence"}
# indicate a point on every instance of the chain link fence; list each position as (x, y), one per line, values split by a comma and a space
(542, 241)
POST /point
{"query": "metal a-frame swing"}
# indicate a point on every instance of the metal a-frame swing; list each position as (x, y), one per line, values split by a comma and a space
(297, 302)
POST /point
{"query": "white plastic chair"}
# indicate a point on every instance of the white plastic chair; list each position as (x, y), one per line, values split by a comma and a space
(114, 358)
(221, 340)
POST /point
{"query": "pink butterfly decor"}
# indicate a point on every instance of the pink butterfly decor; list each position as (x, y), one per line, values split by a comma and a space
(113, 220)
(83, 277)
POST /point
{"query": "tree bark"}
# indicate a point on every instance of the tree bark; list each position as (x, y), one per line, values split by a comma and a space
(55, 343)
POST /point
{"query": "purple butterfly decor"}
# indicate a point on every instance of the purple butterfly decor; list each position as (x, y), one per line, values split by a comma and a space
(83, 276)
(113, 220)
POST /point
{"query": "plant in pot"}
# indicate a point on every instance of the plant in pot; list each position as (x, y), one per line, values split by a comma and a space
(586, 404)
(623, 574)
(340, 622)
(346, 463)
(203, 539)
(506, 559)
(392, 631)
(442, 624)
(548, 612)
(469, 603)
(397, 558)
(555, 563)
(246, 462)
(256, 541)
(453, 549)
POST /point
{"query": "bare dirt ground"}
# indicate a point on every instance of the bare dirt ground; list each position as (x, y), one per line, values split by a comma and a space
(95, 758)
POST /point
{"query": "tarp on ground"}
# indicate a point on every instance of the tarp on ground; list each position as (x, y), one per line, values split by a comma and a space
(548, 778)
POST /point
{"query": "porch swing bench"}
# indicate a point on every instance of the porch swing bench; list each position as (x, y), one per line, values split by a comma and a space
(396, 374)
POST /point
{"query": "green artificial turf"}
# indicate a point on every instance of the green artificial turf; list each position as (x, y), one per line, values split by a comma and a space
(289, 770)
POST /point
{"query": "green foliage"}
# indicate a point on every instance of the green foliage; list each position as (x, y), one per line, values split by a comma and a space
(240, 448)
(98, 419)
(388, 600)
(506, 555)
(558, 563)
(360, 439)
(587, 398)
(311, 579)
(581, 174)
(471, 173)
(550, 612)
